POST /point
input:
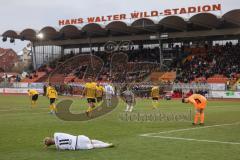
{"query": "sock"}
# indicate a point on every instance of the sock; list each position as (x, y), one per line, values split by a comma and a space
(154, 103)
(108, 103)
(51, 108)
(54, 107)
(131, 108)
(202, 118)
(197, 115)
(90, 108)
(99, 144)
(127, 108)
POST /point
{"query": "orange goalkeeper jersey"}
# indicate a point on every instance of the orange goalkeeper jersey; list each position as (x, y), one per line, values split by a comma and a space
(198, 101)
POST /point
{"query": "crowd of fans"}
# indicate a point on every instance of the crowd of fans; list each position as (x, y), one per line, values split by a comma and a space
(135, 65)
(221, 60)
(9, 78)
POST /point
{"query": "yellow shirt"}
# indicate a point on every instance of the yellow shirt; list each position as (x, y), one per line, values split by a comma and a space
(90, 90)
(155, 92)
(99, 91)
(32, 92)
(51, 92)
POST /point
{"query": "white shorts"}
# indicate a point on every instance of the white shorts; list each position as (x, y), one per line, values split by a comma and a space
(83, 142)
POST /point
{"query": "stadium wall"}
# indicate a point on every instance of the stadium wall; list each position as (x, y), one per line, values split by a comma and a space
(18, 90)
(224, 94)
(215, 91)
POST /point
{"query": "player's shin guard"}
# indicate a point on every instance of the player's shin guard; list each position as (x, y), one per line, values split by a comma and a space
(54, 108)
(202, 118)
(51, 108)
(90, 108)
(197, 115)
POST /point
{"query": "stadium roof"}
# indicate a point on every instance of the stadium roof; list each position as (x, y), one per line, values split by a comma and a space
(202, 24)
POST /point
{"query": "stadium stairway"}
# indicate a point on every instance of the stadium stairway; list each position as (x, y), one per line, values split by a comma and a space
(155, 76)
(57, 78)
(163, 76)
(43, 78)
(69, 78)
(168, 76)
(217, 79)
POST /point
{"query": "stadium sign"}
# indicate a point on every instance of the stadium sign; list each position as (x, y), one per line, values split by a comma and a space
(142, 14)
(225, 94)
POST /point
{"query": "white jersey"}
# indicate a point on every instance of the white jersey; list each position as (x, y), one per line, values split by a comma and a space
(109, 91)
(65, 141)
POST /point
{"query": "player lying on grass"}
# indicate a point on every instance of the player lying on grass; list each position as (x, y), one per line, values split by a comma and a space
(199, 103)
(64, 141)
(33, 94)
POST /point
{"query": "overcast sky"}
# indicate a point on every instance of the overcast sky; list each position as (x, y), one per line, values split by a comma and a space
(21, 14)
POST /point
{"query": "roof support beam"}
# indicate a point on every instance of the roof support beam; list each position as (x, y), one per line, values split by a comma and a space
(173, 35)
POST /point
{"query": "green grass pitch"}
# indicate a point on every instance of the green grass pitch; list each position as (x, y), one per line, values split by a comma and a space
(23, 129)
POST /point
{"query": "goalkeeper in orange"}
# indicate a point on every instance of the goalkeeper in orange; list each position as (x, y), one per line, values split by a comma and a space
(199, 103)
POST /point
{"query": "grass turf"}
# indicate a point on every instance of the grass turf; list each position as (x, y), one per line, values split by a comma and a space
(23, 129)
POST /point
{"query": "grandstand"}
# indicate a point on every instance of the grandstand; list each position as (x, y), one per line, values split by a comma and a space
(172, 50)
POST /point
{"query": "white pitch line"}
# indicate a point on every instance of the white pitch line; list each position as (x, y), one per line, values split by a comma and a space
(198, 140)
(191, 139)
(193, 128)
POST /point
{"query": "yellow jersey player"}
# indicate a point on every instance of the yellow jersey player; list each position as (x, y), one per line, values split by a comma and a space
(155, 96)
(99, 93)
(52, 95)
(90, 93)
(33, 94)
